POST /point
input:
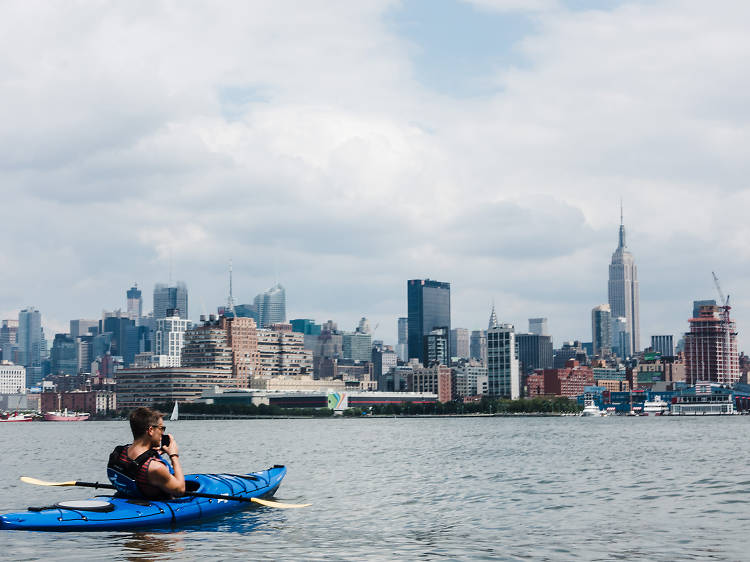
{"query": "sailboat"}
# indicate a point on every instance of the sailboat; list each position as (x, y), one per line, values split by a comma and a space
(175, 413)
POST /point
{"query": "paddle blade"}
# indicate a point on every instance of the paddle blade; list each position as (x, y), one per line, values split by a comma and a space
(37, 482)
(269, 503)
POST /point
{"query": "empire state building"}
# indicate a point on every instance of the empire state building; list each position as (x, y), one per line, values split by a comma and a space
(623, 297)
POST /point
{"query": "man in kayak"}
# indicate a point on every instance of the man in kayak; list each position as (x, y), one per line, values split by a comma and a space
(138, 469)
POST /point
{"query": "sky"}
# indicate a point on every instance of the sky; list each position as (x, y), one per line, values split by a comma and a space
(341, 148)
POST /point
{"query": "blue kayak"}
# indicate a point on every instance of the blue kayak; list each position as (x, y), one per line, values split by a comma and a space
(111, 512)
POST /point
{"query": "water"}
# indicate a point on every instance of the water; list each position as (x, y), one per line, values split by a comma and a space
(462, 488)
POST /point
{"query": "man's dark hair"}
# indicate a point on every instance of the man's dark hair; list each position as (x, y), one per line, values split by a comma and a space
(143, 418)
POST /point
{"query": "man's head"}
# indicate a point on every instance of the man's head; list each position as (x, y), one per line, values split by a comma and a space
(144, 421)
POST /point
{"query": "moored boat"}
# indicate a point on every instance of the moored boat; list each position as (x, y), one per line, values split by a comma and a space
(655, 407)
(66, 416)
(590, 408)
(16, 417)
(112, 512)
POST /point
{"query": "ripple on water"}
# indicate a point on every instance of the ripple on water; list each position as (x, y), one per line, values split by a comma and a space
(494, 488)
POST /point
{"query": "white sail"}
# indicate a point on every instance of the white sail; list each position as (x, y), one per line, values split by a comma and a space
(175, 414)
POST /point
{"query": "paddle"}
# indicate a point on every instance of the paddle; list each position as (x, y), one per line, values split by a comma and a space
(267, 503)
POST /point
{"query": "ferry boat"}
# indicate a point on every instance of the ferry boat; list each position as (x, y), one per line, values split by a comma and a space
(16, 417)
(66, 416)
(655, 407)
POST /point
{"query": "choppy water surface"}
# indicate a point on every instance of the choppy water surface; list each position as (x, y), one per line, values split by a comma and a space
(465, 488)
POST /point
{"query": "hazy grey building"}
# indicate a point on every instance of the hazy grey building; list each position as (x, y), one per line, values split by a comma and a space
(663, 345)
(9, 341)
(403, 330)
(402, 347)
(623, 290)
(271, 306)
(470, 378)
(135, 303)
(84, 353)
(460, 343)
(621, 340)
(383, 360)
(478, 345)
(538, 326)
(601, 330)
(169, 298)
(31, 345)
(357, 346)
(64, 355)
(569, 350)
(81, 327)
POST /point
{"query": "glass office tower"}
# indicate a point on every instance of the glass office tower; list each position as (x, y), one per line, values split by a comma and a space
(429, 307)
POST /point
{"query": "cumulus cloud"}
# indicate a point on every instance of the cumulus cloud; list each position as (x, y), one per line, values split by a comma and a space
(301, 142)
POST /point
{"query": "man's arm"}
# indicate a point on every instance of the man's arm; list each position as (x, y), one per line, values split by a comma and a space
(158, 473)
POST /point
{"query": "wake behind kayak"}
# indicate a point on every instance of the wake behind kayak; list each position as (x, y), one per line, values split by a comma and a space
(111, 513)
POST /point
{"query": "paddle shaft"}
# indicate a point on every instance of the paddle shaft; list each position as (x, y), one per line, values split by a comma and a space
(193, 494)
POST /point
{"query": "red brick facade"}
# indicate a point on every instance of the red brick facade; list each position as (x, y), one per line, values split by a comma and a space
(560, 382)
(93, 401)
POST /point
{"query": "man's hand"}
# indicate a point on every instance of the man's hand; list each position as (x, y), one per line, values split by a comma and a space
(158, 473)
(172, 448)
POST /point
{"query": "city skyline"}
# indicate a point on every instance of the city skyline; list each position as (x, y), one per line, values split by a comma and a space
(534, 324)
(181, 286)
(484, 143)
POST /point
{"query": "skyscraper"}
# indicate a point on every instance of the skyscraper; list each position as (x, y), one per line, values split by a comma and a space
(64, 355)
(621, 337)
(271, 306)
(711, 347)
(493, 319)
(135, 303)
(403, 330)
(534, 352)
(436, 345)
(8, 340)
(601, 330)
(402, 349)
(81, 327)
(460, 341)
(170, 297)
(623, 290)
(478, 345)
(30, 343)
(358, 344)
(429, 307)
(503, 371)
(538, 326)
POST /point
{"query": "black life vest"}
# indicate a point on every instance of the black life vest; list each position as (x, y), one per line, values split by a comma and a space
(129, 476)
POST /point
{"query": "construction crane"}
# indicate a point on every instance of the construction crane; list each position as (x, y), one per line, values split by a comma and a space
(722, 301)
(726, 325)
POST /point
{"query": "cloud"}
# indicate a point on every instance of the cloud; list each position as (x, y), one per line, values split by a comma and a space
(313, 147)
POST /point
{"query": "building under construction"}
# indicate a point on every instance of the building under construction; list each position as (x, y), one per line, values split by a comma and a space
(711, 347)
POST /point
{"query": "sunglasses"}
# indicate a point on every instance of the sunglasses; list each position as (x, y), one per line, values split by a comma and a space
(162, 427)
